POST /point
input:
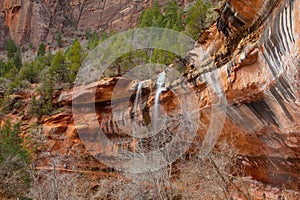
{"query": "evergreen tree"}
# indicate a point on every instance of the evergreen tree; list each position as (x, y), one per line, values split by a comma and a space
(3, 68)
(11, 143)
(152, 17)
(59, 39)
(199, 16)
(74, 58)
(14, 160)
(173, 16)
(93, 40)
(87, 34)
(58, 69)
(11, 48)
(28, 72)
(17, 59)
(11, 70)
(41, 50)
(46, 90)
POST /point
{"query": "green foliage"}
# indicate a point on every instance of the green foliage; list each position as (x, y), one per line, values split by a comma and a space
(6, 104)
(87, 34)
(3, 68)
(105, 35)
(152, 17)
(58, 70)
(93, 40)
(173, 16)
(11, 70)
(36, 107)
(199, 16)
(14, 54)
(41, 50)
(14, 160)
(11, 48)
(74, 59)
(10, 142)
(46, 90)
(17, 59)
(162, 57)
(28, 72)
(59, 39)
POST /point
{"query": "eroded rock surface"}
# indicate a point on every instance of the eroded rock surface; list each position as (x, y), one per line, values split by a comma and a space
(30, 22)
(260, 82)
(256, 82)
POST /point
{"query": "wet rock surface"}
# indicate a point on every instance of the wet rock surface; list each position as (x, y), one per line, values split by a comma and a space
(261, 86)
(257, 86)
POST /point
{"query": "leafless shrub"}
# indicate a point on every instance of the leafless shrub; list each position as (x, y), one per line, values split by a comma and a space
(14, 177)
(217, 176)
(56, 183)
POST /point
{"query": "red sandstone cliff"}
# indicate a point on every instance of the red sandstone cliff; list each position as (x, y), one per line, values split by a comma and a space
(35, 21)
(259, 78)
(258, 74)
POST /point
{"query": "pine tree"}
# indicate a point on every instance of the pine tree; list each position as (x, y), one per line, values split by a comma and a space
(93, 40)
(17, 59)
(58, 70)
(74, 59)
(11, 70)
(11, 48)
(3, 68)
(173, 16)
(152, 17)
(41, 50)
(14, 160)
(10, 142)
(59, 39)
(198, 17)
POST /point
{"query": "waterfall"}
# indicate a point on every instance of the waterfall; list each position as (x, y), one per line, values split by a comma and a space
(159, 89)
(136, 105)
(138, 96)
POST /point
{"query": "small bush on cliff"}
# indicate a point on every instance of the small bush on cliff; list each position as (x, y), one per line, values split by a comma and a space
(59, 39)
(198, 17)
(17, 59)
(14, 159)
(14, 53)
(36, 107)
(45, 90)
(41, 50)
(28, 72)
(3, 68)
(11, 48)
(93, 40)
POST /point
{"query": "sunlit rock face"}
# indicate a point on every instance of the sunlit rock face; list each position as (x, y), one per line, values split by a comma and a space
(257, 86)
(260, 79)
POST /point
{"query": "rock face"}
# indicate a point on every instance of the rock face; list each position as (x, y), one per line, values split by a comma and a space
(31, 22)
(255, 84)
(260, 80)
(252, 77)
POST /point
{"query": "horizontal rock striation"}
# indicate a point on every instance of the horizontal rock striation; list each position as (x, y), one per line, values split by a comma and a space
(256, 88)
(246, 87)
